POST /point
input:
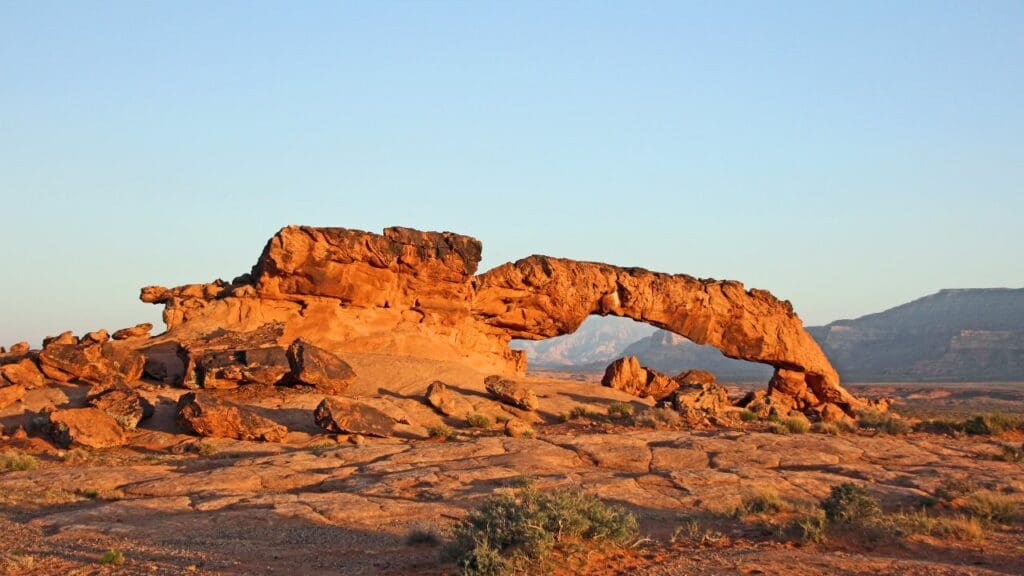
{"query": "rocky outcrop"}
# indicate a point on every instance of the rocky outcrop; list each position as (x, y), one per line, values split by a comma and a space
(626, 374)
(511, 392)
(345, 416)
(86, 427)
(205, 415)
(406, 292)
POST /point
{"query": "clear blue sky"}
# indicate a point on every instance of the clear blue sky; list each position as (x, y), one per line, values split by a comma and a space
(848, 156)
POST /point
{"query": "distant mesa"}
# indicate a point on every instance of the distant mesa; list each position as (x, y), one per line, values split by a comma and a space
(412, 293)
(959, 335)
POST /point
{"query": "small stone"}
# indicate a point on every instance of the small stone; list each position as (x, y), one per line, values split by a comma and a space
(137, 331)
(517, 428)
(66, 337)
(511, 392)
(19, 348)
(97, 337)
(447, 402)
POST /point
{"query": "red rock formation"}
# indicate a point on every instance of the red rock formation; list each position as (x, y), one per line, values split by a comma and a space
(628, 375)
(414, 293)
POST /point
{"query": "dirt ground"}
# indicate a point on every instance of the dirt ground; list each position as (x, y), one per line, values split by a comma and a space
(324, 504)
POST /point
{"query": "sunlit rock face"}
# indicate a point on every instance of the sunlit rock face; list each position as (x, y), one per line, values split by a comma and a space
(413, 293)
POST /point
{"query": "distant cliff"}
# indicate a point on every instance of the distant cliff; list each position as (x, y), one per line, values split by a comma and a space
(969, 334)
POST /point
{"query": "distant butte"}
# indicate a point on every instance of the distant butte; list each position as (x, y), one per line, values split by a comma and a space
(412, 293)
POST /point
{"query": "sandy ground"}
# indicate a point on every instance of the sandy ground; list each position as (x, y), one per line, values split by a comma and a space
(321, 504)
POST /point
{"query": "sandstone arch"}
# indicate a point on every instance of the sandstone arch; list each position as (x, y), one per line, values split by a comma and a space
(416, 293)
(541, 297)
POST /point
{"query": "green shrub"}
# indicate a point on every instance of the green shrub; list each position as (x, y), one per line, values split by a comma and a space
(112, 558)
(993, 507)
(654, 417)
(992, 424)
(960, 527)
(953, 487)
(796, 424)
(478, 421)
(620, 410)
(811, 526)
(761, 501)
(850, 503)
(318, 448)
(202, 448)
(748, 416)
(517, 531)
(883, 422)
(920, 522)
(830, 428)
(1011, 453)
(423, 536)
(16, 461)
(443, 432)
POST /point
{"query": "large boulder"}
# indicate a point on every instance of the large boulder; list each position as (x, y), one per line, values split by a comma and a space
(24, 372)
(512, 392)
(125, 405)
(626, 374)
(87, 427)
(447, 402)
(346, 416)
(316, 367)
(205, 415)
(93, 362)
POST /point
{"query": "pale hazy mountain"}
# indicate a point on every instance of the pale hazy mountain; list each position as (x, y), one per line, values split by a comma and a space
(597, 342)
